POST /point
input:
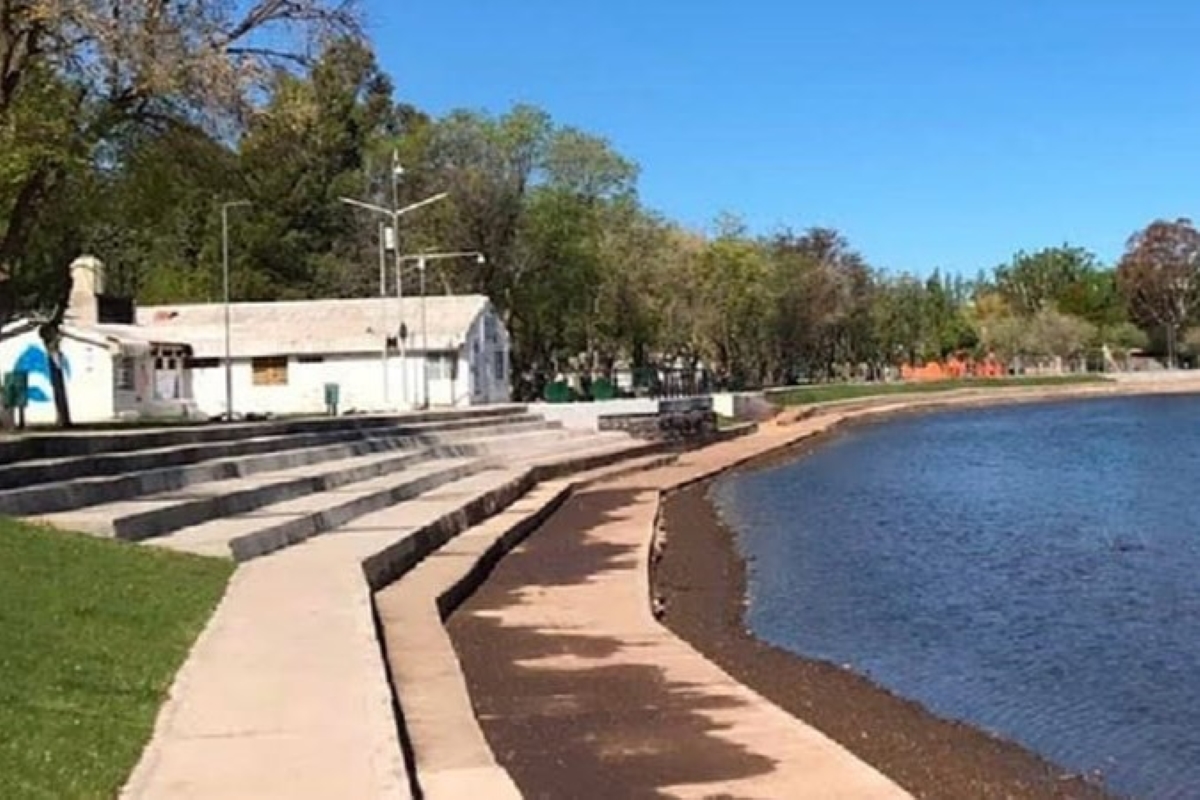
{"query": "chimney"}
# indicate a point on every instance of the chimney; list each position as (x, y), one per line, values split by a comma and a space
(87, 284)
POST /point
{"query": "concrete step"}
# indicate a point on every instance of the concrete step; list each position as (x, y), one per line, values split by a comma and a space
(122, 437)
(293, 646)
(285, 695)
(90, 491)
(57, 470)
(582, 448)
(157, 514)
(479, 497)
(276, 526)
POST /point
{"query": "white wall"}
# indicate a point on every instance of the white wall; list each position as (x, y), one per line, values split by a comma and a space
(89, 378)
(586, 416)
(361, 380)
(477, 361)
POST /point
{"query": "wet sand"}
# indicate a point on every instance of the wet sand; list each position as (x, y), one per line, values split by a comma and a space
(702, 580)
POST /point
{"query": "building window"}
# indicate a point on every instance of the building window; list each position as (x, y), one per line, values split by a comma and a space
(490, 332)
(440, 366)
(123, 374)
(269, 371)
(202, 363)
(501, 364)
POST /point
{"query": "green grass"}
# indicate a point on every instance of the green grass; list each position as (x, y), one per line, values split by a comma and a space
(823, 393)
(91, 635)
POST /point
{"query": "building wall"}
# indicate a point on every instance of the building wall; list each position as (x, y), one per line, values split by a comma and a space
(88, 377)
(476, 379)
(360, 378)
(586, 416)
(486, 361)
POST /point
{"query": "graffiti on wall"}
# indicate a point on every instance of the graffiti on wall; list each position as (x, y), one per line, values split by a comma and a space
(34, 361)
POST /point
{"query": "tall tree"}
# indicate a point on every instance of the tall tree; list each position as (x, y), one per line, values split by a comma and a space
(1159, 275)
(303, 150)
(1031, 282)
(108, 66)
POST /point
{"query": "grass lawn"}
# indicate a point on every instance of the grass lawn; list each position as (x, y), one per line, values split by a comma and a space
(823, 393)
(91, 635)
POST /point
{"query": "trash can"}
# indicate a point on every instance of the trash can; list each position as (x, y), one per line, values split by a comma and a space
(16, 389)
(332, 395)
(14, 396)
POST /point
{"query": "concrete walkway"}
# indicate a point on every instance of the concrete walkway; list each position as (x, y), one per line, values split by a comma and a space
(285, 694)
(451, 756)
(580, 686)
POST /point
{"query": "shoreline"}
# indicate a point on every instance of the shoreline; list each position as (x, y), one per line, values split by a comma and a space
(700, 578)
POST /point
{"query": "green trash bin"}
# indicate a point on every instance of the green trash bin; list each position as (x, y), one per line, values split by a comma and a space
(14, 395)
(557, 392)
(603, 389)
(333, 393)
(16, 390)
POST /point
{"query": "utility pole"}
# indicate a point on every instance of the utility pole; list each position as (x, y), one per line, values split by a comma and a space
(383, 311)
(394, 214)
(225, 274)
(422, 262)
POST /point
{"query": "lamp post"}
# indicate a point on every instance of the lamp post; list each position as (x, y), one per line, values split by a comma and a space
(225, 275)
(422, 261)
(394, 214)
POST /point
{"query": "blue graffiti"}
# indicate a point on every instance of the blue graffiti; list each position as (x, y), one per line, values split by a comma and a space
(34, 361)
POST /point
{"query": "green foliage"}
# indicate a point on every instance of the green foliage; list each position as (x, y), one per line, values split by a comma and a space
(91, 634)
(1033, 282)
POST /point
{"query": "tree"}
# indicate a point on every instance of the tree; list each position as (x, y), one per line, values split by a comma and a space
(90, 71)
(736, 295)
(824, 302)
(302, 151)
(1054, 334)
(1159, 276)
(152, 214)
(1031, 282)
(106, 67)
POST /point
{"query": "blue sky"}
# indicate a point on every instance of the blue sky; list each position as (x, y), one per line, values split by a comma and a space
(932, 133)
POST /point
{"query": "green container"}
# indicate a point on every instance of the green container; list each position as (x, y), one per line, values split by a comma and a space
(558, 392)
(603, 389)
(16, 389)
(333, 394)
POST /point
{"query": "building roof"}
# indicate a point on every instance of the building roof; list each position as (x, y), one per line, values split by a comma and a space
(301, 327)
(129, 338)
(126, 338)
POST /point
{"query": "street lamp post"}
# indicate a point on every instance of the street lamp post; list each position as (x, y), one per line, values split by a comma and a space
(422, 260)
(394, 214)
(225, 275)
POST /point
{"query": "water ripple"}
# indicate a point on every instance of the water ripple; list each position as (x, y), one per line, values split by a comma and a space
(1032, 570)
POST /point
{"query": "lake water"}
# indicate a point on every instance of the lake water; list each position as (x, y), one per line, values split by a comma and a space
(1033, 570)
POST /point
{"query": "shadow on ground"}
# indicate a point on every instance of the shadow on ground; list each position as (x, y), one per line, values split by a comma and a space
(607, 725)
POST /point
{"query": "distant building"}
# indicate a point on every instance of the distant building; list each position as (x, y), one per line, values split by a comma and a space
(113, 369)
(285, 353)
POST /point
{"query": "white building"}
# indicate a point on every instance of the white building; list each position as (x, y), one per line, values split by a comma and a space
(285, 353)
(112, 370)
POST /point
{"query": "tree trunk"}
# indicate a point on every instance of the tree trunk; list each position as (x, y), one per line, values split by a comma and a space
(58, 383)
